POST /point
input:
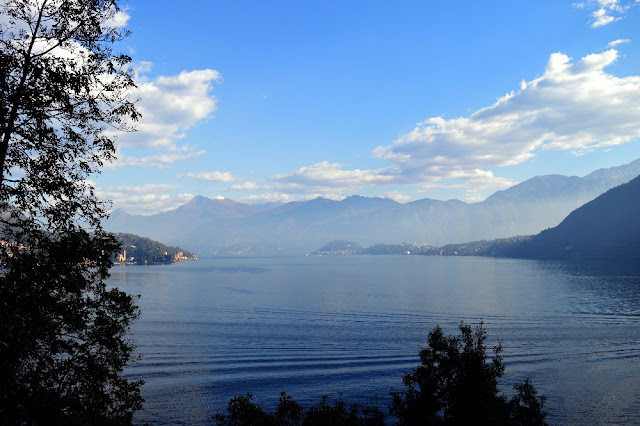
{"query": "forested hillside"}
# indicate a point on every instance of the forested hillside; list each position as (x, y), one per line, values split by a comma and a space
(145, 251)
(605, 228)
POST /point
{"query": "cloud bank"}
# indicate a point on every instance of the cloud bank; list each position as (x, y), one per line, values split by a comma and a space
(604, 12)
(325, 177)
(169, 106)
(144, 199)
(572, 106)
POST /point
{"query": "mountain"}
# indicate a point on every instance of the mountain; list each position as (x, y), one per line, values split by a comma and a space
(228, 227)
(607, 227)
(200, 206)
(544, 201)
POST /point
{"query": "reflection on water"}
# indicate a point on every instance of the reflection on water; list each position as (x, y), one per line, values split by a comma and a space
(216, 328)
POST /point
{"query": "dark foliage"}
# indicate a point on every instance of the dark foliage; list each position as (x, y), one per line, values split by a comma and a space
(242, 411)
(526, 408)
(63, 341)
(454, 384)
(147, 251)
(63, 338)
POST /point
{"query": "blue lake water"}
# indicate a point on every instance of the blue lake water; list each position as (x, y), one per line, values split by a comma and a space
(216, 328)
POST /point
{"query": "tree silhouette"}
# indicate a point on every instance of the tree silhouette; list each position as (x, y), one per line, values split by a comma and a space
(63, 97)
(242, 411)
(454, 384)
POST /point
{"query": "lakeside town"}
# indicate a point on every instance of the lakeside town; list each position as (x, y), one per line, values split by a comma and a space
(137, 250)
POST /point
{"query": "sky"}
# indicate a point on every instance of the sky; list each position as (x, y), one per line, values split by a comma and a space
(281, 101)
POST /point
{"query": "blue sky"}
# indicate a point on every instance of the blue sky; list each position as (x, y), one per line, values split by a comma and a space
(289, 100)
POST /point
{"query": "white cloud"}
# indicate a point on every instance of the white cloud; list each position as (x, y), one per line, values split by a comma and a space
(144, 199)
(604, 12)
(609, 4)
(326, 177)
(245, 186)
(477, 183)
(601, 18)
(11, 29)
(142, 67)
(617, 42)
(184, 197)
(119, 19)
(272, 197)
(335, 196)
(396, 196)
(161, 161)
(572, 106)
(575, 105)
(141, 189)
(169, 106)
(212, 176)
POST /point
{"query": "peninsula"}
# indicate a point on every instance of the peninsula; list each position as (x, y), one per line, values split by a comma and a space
(137, 250)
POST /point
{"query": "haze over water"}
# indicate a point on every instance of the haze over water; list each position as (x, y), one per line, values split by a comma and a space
(217, 328)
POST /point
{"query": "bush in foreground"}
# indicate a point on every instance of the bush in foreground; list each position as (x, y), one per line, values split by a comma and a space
(453, 385)
(243, 411)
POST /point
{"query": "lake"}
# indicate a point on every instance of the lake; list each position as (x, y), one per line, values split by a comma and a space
(351, 326)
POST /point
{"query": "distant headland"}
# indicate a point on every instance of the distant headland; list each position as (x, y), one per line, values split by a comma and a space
(137, 250)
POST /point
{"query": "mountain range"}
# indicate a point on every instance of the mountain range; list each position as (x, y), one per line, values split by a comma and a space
(211, 226)
(607, 227)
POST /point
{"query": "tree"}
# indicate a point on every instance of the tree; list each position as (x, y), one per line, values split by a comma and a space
(242, 411)
(456, 385)
(63, 98)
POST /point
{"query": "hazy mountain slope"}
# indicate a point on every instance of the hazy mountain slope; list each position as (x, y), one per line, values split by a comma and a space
(225, 226)
(202, 223)
(544, 201)
(200, 207)
(297, 226)
(607, 227)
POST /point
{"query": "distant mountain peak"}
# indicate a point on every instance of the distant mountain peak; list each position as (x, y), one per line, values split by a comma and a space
(199, 199)
(371, 202)
(629, 169)
(118, 213)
